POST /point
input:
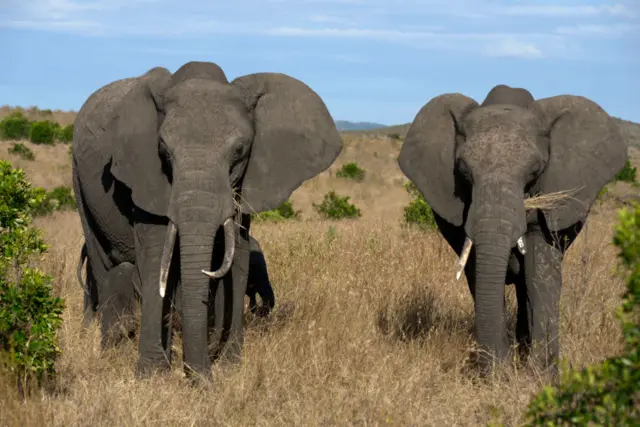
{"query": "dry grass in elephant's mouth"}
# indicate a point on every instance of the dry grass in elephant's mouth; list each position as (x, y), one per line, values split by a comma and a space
(370, 328)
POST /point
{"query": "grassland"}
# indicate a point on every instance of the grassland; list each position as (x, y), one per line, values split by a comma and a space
(370, 327)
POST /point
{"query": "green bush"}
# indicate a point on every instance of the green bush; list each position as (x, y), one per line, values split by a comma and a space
(30, 315)
(21, 150)
(65, 134)
(626, 174)
(59, 199)
(44, 132)
(418, 212)
(336, 207)
(284, 212)
(15, 126)
(607, 393)
(351, 171)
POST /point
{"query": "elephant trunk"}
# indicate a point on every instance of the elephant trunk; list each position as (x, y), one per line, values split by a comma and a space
(496, 224)
(203, 202)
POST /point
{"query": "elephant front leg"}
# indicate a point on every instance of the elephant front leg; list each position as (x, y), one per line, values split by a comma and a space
(154, 349)
(227, 337)
(543, 272)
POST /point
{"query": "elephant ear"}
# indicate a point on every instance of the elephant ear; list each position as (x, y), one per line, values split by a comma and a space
(133, 138)
(586, 151)
(427, 156)
(295, 138)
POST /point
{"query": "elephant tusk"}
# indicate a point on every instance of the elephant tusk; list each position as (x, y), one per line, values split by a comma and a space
(464, 256)
(229, 250)
(167, 254)
(521, 246)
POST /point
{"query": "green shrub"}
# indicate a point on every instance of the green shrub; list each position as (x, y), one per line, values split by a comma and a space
(30, 315)
(418, 212)
(15, 126)
(284, 212)
(21, 150)
(626, 174)
(607, 393)
(395, 135)
(44, 132)
(336, 207)
(351, 171)
(59, 199)
(65, 134)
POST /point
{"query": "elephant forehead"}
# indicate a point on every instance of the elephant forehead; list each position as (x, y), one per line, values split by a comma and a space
(218, 120)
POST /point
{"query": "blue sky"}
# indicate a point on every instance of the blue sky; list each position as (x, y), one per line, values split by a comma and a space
(370, 60)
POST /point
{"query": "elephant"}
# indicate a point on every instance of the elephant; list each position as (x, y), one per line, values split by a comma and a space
(258, 283)
(475, 165)
(167, 168)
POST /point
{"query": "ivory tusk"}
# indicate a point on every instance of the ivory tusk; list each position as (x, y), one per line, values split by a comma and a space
(167, 254)
(464, 256)
(521, 246)
(229, 250)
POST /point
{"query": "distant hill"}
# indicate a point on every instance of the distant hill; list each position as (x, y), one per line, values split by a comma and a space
(345, 125)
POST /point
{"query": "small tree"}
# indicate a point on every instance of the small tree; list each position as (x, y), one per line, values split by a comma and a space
(418, 211)
(15, 126)
(284, 212)
(607, 393)
(44, 132)
(21, 150)
(351, 171)
(626, 174)
(336, 207)
(65, 134)
(30, 315)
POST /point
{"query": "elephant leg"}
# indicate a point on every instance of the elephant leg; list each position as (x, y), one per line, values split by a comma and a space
(258, 282)
(228, 316)
(523, 333)
(90, 300)
(117, 305)
(154, 348)
(543, 272)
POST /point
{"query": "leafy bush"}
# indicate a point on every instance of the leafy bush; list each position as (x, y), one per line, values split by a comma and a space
(44, 132)
(607, 393)
(65, 134)
(626, 174)
(284, 212)
(15, 126)
(30, 315)
(59, 199)
(418, 212)
(336, 207)
(21, 150)
(351, 171)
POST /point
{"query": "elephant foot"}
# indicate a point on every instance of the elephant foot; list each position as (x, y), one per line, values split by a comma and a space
(147, 368)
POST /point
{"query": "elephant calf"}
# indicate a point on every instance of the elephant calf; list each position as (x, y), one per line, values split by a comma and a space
(258, 283)
(167, 169)
(476, 164)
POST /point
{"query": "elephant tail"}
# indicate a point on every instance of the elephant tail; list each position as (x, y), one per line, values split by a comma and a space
(83, 257)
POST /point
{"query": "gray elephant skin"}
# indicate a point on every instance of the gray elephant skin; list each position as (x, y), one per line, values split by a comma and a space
(167, 169)
(258, 283)
(476, 164)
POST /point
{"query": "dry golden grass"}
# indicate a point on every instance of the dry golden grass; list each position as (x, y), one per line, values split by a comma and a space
(370, 326)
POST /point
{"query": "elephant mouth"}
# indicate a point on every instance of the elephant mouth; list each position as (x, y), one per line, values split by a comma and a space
(466, 250)
(169, 244)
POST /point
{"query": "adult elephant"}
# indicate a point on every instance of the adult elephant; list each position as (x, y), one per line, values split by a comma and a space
(175, 163)
(476, 164)
(258, 284)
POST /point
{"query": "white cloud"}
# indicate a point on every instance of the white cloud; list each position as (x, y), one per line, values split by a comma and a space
(498, 25)
(514, 49)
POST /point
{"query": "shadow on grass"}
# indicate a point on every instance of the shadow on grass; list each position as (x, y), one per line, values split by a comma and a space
(415, 316)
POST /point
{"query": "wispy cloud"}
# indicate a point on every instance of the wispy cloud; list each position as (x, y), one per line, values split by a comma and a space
(494, 28)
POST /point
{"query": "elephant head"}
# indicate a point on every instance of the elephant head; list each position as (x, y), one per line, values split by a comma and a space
(186, 144)
(475, 164)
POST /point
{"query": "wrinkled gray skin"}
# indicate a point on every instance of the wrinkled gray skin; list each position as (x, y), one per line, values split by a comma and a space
(258, 283)
(183, 151)
(475, 164)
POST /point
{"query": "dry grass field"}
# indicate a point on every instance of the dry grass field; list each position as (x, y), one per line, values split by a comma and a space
(370, 326)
